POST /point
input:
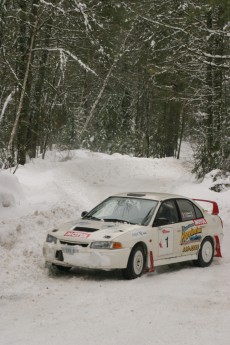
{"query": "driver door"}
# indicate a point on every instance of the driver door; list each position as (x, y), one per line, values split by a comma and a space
(168, 230)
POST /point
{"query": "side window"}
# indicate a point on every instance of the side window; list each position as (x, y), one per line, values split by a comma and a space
(187, 210)
(167, 213)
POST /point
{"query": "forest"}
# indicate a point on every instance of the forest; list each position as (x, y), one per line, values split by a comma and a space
(134, 77)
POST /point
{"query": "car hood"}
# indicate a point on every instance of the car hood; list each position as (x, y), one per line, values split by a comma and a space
(89, 230)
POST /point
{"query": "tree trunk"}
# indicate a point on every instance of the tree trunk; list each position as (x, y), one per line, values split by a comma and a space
(22, 96)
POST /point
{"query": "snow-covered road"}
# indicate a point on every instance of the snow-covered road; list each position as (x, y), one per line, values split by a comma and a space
(178, 304)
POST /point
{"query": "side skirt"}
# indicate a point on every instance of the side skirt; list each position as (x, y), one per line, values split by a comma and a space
(175, 260)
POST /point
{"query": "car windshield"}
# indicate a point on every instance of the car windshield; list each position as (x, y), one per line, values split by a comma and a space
(125, 210)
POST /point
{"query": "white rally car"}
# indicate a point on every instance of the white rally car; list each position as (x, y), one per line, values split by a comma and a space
(136, 232)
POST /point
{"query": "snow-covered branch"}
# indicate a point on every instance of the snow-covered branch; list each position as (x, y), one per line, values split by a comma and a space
(52, 5)
(13, 72)
(226, 57)
(106, 80)
(165, 25)
(7, 101)
(213, 64)
(81, 8)
(201, 56)
(67, 52)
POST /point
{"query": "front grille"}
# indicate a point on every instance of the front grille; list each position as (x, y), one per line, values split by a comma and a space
(75, 243)
(59, 255)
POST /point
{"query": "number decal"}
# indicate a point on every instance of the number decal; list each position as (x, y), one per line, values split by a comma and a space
(165, 239)
(167, 242)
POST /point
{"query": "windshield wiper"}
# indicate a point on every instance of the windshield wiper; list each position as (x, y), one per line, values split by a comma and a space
(117, 220)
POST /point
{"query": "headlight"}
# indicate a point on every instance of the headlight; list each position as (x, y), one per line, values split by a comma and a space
(51, 239)
(106, 245)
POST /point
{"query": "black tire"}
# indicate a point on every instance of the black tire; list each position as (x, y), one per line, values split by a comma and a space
(62, 268)
(136, 263)
(206, 253)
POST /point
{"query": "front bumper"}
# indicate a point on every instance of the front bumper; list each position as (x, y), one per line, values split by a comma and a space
(78, 256)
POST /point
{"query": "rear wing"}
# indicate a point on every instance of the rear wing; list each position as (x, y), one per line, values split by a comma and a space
(215, 208)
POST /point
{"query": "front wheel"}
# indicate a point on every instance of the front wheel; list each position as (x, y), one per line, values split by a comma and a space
(206, 253)
(136, 263)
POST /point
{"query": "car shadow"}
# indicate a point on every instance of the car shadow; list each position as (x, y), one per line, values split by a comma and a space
(100, 275)
(87, 274)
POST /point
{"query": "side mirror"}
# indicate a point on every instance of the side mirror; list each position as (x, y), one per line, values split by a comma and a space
(161, 222)
(83, 214)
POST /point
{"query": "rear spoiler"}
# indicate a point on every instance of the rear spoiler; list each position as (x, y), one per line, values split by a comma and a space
(215, 208)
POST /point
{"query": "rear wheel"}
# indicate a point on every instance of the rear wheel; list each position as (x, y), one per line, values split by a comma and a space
(206, 253)
(136, 263)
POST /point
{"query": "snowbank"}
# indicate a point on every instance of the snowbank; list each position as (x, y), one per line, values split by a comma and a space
(10, 190)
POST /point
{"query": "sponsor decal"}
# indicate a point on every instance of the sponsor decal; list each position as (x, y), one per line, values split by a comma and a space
(190, 248)
(139, 233)
(78, 234)
(187, 227)
(191, 234)
(165, 231)
(200, 221)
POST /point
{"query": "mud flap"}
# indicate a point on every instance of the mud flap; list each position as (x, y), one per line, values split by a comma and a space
(218, 250)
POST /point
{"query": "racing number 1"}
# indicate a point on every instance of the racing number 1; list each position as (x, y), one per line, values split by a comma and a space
(165, 241)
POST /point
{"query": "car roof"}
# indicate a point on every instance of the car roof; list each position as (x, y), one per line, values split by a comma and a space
(151, 195)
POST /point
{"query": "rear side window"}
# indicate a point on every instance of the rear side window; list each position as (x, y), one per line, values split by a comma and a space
(188, 210)
(198, 212)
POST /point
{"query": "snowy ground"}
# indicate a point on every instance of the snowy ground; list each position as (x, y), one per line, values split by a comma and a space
(178, 304)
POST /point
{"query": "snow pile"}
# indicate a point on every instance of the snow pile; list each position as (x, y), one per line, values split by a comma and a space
(219, 180)
(10, 190)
